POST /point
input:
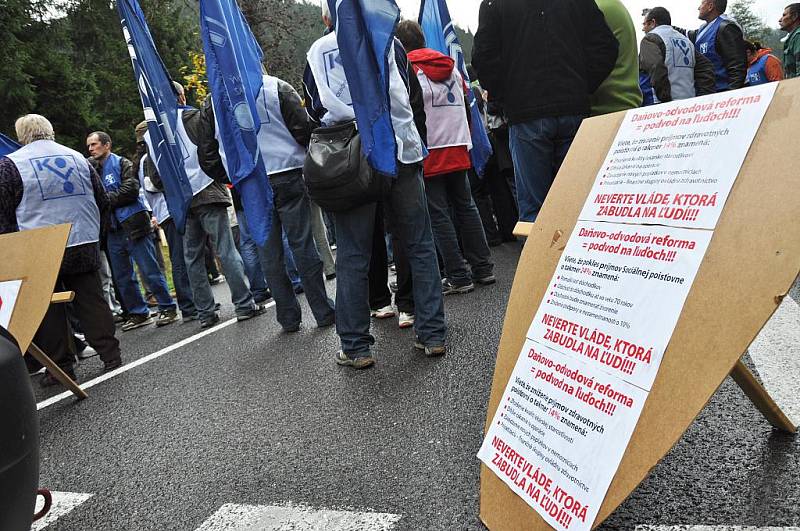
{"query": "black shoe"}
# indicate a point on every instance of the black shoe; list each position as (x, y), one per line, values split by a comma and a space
(298, 289)
(49, 380)
(166, 317)
(264, 299)
(109, 366)
(486, 279)
(450, 288)
(137, 321)
(211, 321)
(330, 276)
(256, 310)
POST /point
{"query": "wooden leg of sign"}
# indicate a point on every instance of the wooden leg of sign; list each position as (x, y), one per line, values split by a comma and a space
(523, 228)
(56, 371)
(761, 398)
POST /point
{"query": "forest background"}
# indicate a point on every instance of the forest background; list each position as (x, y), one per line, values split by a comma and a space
(67, 59)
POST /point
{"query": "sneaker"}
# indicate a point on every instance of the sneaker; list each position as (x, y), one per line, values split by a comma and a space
(219, 279)
(333, 246)
(405, 320)
(383, 313)
(109, 366)
(86, 353)
(137, 321)
(119, 317)
(211, 321)
(361, 362)
(430, 350)
(486, 280)
(449, 288)
(188, 317)
(166, 317)
(256, 310)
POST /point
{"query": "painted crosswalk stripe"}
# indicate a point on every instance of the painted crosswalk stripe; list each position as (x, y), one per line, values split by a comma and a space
(776, 355)
(711, 528)
(234, 517)
(63, 503)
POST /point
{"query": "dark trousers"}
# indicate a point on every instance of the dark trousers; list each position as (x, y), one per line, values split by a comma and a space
(379, 294)
(404, 297)
(54, 336)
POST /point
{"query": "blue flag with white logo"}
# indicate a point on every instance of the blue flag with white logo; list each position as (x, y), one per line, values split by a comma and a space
(365, 39)
(160, 105)
(440, 35)
(7, 145)
(233, 65)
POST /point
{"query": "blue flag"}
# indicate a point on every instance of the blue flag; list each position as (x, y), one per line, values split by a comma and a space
(233, 65)
(440, 35)
(160, 105)
(7, 146)
(365, 41)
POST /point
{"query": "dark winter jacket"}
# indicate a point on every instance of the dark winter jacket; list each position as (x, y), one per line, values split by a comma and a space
(730, 47)
(138, 225)
(542, 58)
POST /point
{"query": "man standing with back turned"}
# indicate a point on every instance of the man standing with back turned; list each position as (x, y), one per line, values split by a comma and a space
(542, 60)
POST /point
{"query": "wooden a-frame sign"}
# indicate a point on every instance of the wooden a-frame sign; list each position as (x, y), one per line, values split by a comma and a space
(34, 256)
(750, 265)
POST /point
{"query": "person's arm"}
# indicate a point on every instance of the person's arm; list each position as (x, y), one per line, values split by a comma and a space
(730, 46)
(705, 81)
(10, 195)
(313, 103)
(774, 69)
(128, 191)
(208, 147)
(487, 49)
(689, 34)
(294, 115)
(102, 200)
(600, 47)
(652, 54)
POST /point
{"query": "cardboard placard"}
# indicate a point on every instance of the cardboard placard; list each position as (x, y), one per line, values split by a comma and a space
(33, 256)
(750, 264)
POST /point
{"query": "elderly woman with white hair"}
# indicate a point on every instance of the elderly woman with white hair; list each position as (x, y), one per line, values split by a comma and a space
(42, 184)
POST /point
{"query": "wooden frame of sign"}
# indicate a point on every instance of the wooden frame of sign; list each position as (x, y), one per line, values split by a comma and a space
(34, 256)
(748, 269)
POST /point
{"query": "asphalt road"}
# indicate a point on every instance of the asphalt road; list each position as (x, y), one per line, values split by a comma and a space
(248, 415)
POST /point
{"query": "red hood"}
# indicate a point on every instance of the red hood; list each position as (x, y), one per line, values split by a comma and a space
(435, 65)
(760, 53)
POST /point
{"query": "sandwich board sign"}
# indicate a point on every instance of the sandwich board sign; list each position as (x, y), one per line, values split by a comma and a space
(658, 256)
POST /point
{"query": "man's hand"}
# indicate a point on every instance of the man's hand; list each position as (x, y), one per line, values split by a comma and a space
(154, 223)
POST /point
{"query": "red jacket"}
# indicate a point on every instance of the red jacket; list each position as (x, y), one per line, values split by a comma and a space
(438, 67)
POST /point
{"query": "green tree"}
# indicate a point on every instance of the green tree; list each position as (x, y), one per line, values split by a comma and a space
(754, 27)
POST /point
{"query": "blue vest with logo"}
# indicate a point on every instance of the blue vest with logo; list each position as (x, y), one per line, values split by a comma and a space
(279, 149)
(112, 180)
(57, 188)
(706, 43)
(757, 73)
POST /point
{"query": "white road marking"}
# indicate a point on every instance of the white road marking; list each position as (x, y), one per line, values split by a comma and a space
(63, 503)
(711, 528)
(776, 355)
(234, 517)
(141, 361)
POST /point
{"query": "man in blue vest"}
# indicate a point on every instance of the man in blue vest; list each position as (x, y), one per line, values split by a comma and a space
(721, 41)
(670, 67)
(129, 237)
(43, 184)
(282, 138)
(329, 102)
(208, 219)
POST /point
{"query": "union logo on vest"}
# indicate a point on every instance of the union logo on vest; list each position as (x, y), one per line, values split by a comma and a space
(53, 175)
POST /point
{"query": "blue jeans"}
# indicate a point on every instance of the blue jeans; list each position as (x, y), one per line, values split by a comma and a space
(407, 208)
(180, 279)
(538, 148)
(212, 220)
(291, 216)
(122, 252)
(252, 263)
(452, 190)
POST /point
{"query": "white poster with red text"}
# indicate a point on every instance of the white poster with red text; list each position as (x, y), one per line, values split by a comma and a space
(675, 164)
(9, 291)
(617, 294)
(596, 343)
(559, 434)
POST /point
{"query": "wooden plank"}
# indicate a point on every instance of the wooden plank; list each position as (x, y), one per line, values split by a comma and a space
(761, 398)
(56, 371)
(522, 228)
(62, 297)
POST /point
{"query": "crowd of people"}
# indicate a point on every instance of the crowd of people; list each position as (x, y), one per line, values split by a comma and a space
(434, 224)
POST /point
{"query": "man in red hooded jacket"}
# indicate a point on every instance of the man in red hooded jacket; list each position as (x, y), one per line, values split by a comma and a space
(445, 169)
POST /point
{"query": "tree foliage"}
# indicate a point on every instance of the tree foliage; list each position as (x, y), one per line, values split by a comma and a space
(754, 27)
